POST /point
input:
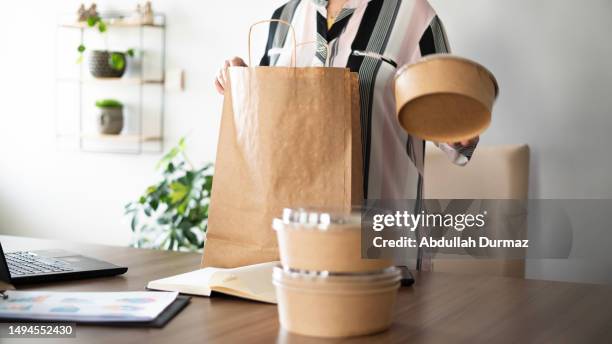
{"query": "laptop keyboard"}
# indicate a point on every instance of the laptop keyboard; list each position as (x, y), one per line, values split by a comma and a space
(27, 263)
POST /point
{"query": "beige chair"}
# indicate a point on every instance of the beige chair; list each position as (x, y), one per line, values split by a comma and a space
(496, 172)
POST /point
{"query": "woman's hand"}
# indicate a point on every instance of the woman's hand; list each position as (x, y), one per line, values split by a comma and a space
(221, 79)
(464, 143)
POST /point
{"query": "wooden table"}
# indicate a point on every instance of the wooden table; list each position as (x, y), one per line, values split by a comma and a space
(440, 308)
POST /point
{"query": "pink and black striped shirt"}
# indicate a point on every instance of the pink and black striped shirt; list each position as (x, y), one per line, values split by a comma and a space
(372, 38)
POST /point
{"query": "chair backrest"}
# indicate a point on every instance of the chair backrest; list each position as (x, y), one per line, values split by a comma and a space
(495, 172)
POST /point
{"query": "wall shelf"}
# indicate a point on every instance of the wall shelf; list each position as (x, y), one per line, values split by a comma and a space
(118, 24)
(121, 137)
(142, 93)
(124, 80)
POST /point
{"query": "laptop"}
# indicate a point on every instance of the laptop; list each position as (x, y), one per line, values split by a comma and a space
(52, 265)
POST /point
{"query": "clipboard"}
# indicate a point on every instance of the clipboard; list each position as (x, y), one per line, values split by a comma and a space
(162, 319)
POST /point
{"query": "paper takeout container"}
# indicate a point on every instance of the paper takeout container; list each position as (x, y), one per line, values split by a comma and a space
(323, 241)
(328, 305)
(445, 98)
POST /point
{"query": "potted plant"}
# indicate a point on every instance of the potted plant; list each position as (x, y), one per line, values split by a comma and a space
(110, 118)
(104, 63)
(173, 213)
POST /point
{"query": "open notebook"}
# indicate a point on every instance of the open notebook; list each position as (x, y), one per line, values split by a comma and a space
(253, 282)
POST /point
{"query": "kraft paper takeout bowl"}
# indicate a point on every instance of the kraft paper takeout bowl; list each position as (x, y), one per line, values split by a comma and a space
(444, 98)
(323, 241)
(334, 306)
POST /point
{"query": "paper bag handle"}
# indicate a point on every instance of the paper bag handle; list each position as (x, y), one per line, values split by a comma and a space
(280, 21)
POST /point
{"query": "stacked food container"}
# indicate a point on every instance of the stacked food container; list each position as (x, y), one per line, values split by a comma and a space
(323, 286)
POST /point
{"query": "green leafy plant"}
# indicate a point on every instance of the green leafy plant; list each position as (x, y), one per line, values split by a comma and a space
(116, 60)
(108, 103)
(173, 213)
(96, 20)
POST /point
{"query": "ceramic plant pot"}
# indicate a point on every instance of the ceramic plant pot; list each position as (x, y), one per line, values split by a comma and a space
(100, 67)
(110, 120)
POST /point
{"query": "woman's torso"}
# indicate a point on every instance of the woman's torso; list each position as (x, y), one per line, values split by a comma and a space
(372, 38)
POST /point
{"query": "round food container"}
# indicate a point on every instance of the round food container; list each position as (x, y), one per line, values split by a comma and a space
(444, 98)
(323, 241)
(335, 305)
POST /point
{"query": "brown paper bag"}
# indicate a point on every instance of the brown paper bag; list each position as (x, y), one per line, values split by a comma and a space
(289, 137)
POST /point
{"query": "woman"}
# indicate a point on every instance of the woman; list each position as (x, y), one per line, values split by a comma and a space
(372, 38)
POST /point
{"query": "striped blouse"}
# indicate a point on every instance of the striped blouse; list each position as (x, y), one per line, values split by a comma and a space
(372, 38)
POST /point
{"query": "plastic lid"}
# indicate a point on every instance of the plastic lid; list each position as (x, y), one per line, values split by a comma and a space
(320, 219)
(392, 274)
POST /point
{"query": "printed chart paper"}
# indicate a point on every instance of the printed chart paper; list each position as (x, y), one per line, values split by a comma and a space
(85, 306)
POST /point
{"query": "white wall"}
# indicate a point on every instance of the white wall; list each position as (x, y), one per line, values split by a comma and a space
(46, 192)
(554, 64)
(551, 57)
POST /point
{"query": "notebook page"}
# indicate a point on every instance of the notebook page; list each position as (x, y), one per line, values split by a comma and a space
(194, 282)
(252, 282)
